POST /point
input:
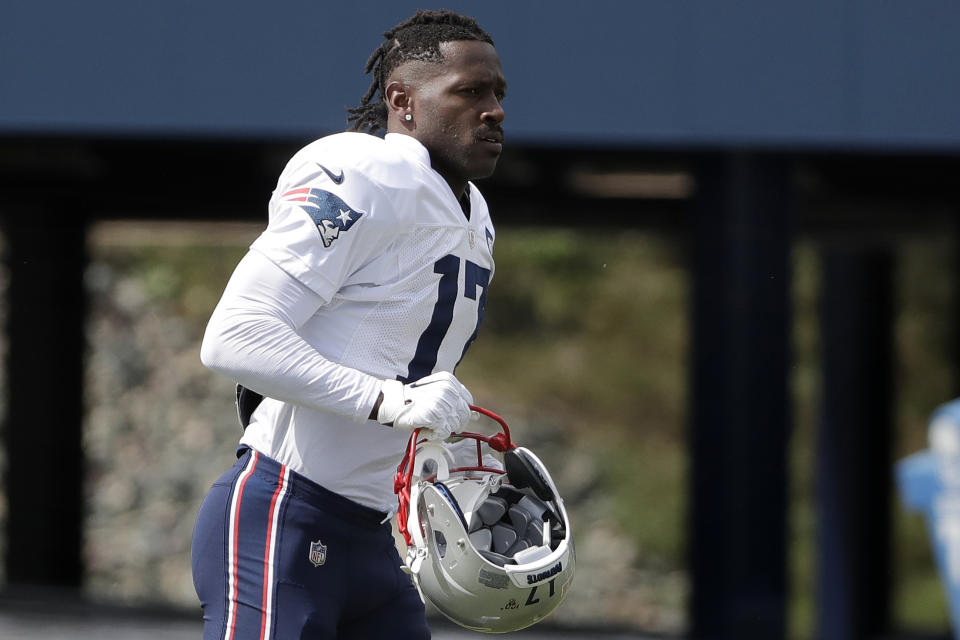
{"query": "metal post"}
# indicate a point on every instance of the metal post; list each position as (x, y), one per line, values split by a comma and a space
(740, 419)
(45, 257)
(854, 457)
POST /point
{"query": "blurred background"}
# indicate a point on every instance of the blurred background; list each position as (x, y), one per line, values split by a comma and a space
(725, 303)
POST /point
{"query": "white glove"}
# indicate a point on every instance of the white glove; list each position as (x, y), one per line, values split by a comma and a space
(438, 403)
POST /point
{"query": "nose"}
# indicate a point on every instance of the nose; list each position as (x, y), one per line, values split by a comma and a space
(494, 113)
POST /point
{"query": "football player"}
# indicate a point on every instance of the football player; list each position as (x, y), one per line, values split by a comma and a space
(343, 325)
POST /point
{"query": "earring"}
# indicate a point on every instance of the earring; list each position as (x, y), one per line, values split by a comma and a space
(408, 117)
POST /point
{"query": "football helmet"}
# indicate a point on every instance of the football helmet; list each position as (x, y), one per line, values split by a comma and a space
(491, 548)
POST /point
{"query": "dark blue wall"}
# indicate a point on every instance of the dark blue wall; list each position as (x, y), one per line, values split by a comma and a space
(847, 73)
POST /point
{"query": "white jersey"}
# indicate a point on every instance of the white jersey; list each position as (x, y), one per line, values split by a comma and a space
(379, 236)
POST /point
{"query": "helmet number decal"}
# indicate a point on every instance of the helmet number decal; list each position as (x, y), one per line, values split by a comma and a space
(532, 599)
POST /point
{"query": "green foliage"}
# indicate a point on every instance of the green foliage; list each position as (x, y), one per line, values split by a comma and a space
(592, 331)
(805, 381)
(583, 349)
(185, 280)
(925, 379)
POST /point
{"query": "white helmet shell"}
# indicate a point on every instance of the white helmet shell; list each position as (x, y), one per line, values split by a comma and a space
(491, 550)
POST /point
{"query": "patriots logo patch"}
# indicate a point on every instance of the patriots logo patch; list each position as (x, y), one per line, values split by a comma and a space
(331, 214)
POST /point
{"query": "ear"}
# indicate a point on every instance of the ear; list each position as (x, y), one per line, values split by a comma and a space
(399, 100)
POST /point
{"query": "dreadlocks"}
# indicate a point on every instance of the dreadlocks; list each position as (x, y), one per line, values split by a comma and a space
(417, 38)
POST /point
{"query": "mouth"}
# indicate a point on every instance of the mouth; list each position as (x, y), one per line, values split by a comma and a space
(493, 138)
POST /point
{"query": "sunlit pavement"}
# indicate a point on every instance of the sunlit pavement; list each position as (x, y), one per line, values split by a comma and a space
(56, 627)
(49, 617)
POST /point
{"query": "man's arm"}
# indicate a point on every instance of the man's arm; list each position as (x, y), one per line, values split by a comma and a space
(252, 337)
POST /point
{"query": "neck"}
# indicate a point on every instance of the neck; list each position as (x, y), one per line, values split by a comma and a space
(458, 187)
(457, 184)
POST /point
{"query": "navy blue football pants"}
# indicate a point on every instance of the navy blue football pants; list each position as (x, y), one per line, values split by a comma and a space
(278, 556)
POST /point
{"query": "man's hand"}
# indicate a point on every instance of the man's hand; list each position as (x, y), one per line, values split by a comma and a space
(437, 403)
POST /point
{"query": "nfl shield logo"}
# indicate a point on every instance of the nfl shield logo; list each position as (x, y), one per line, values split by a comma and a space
(318, 553)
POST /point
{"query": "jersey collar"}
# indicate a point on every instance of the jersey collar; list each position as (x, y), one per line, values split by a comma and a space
(411, 144)
(416, 148)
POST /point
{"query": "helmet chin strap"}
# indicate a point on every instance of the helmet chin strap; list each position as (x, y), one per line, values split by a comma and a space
(417, 547)
(435, 452)
(441, 458)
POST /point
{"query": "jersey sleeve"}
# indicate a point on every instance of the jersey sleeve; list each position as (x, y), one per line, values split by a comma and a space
(328, 223)
(252, 338)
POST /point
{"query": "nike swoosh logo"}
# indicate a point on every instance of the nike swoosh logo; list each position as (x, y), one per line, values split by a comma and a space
(336, 179)
(423, 384)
